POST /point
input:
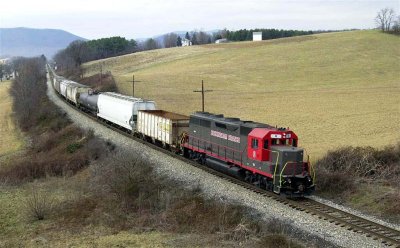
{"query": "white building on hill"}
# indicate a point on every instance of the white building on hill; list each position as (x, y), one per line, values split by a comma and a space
(257, 36)
(221, 41)
(186, 42)
(5, 61)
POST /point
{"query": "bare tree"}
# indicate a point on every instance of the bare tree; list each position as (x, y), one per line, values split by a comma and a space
(384, 19)
(170, 40)
(203, 38)
(150, 44)
(396, 25)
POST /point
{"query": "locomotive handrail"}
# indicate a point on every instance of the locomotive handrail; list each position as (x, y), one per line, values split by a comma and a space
(283, 169)
(310, 166)
(312, 172)
(276, 164)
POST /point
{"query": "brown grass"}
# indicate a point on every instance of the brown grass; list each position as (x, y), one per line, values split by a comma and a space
(333, 90)
(11, 139)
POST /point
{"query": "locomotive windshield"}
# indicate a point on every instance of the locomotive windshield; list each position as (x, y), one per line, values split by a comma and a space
(283, 142)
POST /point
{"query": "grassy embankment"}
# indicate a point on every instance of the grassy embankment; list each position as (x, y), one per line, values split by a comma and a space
(334, 90)
(71, 189)
(11, 139)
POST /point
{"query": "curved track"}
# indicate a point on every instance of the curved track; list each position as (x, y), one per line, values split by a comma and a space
(388, 236)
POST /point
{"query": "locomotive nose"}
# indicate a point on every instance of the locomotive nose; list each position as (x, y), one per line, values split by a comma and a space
(301, 188)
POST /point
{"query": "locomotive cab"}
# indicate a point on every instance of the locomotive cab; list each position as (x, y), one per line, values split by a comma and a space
(276, 150)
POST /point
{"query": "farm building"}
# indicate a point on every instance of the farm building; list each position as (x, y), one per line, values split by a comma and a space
(257, 36)
(4, 61)
(186, 42)
(221, 41)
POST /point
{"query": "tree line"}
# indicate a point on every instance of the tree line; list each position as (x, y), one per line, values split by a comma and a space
(28, 89)
(78, 52)
(387, 21)
(70, 59)
(267, 34)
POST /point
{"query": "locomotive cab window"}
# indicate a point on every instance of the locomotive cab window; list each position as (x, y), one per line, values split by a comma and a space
(220, 125)
(265, 144)
(254, 143)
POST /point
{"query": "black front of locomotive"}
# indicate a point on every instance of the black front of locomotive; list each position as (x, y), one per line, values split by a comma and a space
(292, 175)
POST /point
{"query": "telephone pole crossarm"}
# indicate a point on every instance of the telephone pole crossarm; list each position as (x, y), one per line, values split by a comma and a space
(133, 84)
(202, 91)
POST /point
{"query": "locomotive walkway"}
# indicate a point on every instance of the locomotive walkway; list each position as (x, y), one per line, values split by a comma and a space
(314, 224)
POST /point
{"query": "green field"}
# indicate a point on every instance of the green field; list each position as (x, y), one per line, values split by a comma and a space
(332, 89)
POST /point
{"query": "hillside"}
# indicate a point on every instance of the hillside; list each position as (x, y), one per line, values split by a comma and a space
(30, 42)
(11, 140)
(333, 89)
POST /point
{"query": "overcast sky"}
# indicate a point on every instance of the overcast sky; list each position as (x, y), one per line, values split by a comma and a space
(145, 18)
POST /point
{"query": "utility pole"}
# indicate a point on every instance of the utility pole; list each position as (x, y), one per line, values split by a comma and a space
(101, 73)
(202, 94)
(133, 85)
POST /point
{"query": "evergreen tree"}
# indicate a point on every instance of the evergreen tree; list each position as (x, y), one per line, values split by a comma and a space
(194, 39)
(187, 36)
(179, 41)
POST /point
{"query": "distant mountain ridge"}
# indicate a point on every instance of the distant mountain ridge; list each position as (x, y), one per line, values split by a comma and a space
(29, 42)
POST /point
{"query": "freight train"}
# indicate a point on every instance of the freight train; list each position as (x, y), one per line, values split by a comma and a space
(258, 153)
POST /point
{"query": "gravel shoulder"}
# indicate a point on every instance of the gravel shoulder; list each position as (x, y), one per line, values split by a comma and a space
(316, 232)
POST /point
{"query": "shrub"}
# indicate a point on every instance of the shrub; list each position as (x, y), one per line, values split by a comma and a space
(100, 82)
(71, 148)
(334, 182)
(39, 204)
(364, 162)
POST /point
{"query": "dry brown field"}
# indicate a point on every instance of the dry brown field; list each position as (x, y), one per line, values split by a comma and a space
(332, 89)
(11, 140)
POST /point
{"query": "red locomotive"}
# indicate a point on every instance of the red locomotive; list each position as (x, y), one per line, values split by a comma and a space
(255, 152)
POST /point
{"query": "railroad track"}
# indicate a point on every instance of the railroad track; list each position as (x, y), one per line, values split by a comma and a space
(388, 236)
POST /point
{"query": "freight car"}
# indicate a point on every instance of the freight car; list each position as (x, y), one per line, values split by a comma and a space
(255, 152)
(162, 127)
(73, 91)
(87, 101)
(122, 110)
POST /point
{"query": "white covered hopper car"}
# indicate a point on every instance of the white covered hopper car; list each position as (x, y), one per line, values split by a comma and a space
(74, 89)
(122, 110)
